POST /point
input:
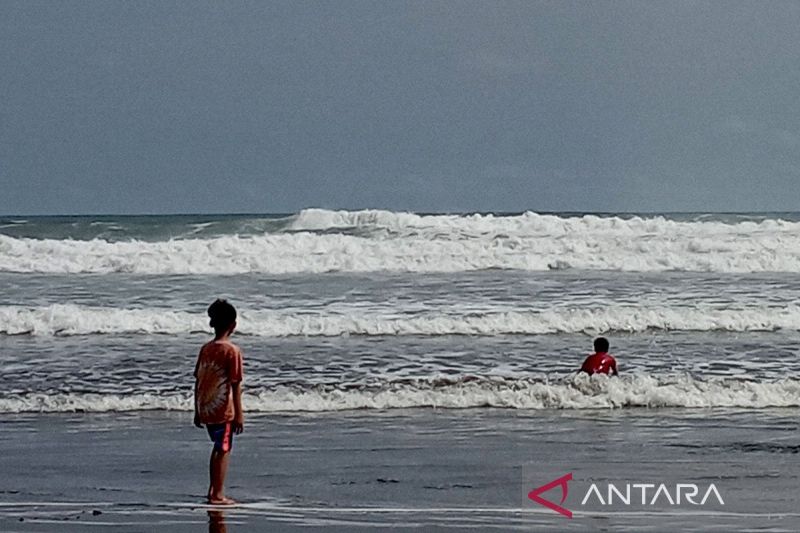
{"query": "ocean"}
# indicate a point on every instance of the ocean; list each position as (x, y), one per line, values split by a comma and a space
(371, 324)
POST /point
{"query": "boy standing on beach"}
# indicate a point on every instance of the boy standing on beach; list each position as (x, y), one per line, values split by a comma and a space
(218, 395)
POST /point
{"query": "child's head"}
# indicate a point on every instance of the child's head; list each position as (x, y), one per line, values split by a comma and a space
(601, 345)
(223, 316)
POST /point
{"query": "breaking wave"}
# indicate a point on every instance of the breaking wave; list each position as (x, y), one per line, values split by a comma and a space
(316, 241)
(65, 320)
(577, 392)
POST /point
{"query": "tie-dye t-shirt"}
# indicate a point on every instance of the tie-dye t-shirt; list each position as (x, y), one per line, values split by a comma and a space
(219, 365)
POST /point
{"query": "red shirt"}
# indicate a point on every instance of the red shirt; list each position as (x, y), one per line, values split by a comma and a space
(599, 363)
(219, 366)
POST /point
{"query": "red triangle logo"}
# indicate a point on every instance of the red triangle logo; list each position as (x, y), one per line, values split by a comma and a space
(560, 482)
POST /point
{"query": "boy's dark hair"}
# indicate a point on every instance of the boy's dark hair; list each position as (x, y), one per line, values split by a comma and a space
(601, 344)
(222, 315)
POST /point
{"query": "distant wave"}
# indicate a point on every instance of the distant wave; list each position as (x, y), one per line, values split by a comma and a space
(317, 241)
(81, 320)
(578, 392)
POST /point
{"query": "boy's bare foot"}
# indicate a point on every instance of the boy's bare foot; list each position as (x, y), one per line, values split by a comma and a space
(221, 501)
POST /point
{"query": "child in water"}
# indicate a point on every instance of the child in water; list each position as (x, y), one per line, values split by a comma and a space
(218, 395)
(601, 362)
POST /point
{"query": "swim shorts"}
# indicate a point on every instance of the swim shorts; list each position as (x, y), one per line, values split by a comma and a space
(221, 435)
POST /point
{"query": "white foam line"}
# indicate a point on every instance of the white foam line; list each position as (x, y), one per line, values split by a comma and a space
(578, 392)
(56, 504)
(503, 510)
(68, 320)
(113, 524)
(411, 243)
(250, 506)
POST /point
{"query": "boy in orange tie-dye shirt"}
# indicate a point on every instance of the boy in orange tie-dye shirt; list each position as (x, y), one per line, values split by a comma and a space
(218, 395)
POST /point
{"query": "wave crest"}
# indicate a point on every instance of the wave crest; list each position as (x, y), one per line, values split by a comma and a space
(578, 392)
(316, 241)
(65, 320)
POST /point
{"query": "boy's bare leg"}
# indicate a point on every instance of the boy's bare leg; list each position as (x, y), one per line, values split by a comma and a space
(218, 467)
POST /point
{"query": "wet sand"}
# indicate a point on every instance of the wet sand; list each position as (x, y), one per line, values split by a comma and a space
(413, 470)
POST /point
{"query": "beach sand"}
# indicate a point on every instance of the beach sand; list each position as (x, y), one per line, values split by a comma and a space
(412, 470)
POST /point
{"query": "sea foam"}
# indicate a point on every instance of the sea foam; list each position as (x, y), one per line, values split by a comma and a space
(67, 320)
(577, 392)
(316, 241)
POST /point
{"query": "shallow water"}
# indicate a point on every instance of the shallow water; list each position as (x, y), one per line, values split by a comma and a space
(107, 313)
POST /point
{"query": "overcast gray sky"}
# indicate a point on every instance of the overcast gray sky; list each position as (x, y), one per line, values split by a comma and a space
(165, 107)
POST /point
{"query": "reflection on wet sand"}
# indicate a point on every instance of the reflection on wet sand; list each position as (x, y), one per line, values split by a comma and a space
(216, 522)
